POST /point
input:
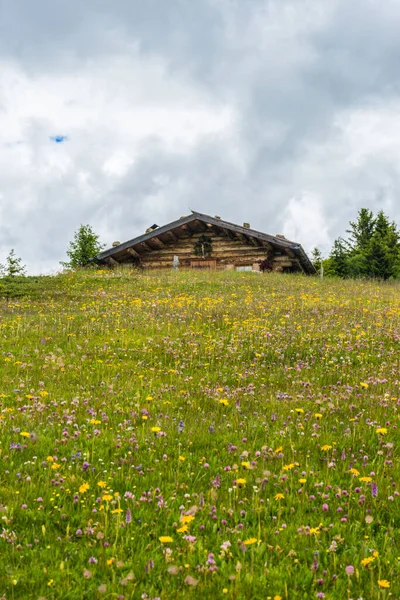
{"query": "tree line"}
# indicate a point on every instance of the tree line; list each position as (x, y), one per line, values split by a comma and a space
(372, 249)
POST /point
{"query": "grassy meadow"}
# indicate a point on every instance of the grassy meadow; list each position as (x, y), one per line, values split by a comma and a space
(199, 435)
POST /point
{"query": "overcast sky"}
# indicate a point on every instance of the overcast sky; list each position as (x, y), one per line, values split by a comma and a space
(281, 113)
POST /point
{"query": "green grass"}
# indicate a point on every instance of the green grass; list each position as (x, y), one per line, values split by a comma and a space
(266, 407)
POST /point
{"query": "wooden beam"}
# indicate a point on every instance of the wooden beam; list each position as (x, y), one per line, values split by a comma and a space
(202, 225)
(146, 246)
(158, 242)
(133, 252)
(111, 262)
(290, 253)
(229, 234)
(254, 241)
(266, 245)
(187, 230)
(173, 236)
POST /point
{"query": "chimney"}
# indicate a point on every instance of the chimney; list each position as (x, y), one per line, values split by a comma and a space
(246, 225)
(115, 244)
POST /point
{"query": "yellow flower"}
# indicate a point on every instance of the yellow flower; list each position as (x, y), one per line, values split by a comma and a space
(110, 561)
(302, 480)
(49, 459)
(246, 464)
(318, 415)
(240, 482)
(182, 458)
(183, 529)
(107, 497)
(95, 421)
(326, 447)
(363, 384)
(314, 530)
(279, 497)
(250, 541)
(277, 597)
(279, 450)
(55, 466)
(354, 471)
(145, 417)
(365, 479)
(156, 429)
(187, 519)
(165, 539)
(381, 430)
(288, 467)
(383, 583)
(116, 511)
(102, 484)
(25, 434)
(224, 401)
(299, 410)
(83, 488)
(367, 561)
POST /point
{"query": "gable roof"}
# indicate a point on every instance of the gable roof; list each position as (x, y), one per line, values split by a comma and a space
(277, 242)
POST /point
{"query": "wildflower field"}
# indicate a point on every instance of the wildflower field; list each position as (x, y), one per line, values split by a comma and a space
(199, 435)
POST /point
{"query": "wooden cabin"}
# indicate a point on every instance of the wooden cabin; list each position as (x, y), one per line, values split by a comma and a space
(203, 242)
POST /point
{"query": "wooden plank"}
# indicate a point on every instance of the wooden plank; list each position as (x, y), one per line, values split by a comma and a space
(133, 252)
(111, 262)
(172, 235)
(146, 246)
(158, 242)
(187, 230)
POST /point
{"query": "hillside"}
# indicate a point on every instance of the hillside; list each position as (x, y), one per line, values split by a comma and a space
(178, 435)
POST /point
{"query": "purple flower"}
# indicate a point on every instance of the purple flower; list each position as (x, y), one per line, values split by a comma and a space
(128, 516)
(350, 570)
(325, 507)
(92, 560)
(374, 490)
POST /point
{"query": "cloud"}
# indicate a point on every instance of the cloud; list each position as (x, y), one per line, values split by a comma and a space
(283, 115)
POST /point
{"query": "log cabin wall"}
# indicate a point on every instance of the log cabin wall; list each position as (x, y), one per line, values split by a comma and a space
(228, 252)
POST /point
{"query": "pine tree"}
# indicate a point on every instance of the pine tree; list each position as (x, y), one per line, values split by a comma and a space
(84, 247)
(316, 259)
(380, 264)
(13, 266)
(361, 231)
(338, 259)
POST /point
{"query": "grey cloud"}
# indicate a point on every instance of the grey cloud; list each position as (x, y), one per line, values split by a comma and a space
(293, 73)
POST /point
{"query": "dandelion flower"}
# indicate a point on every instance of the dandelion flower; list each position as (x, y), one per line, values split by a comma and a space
(288, 467)
(240, 482)
(250, 541)
(279, 497)
(367, 561)
(165, 539)
(384, 583)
